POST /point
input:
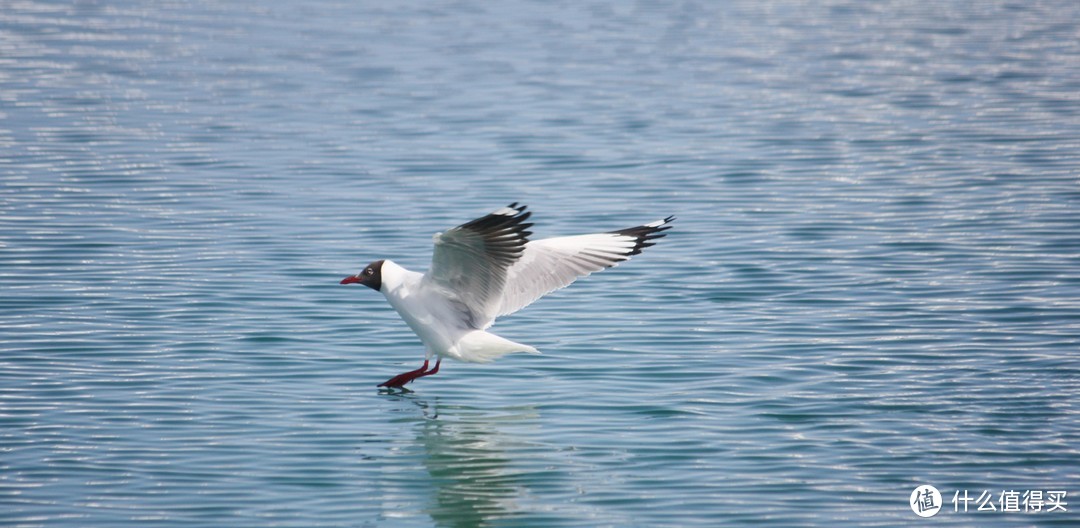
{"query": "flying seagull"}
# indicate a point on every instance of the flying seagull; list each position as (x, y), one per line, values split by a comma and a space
(487, 268)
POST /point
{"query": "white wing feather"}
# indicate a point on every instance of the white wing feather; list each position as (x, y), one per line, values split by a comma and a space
(468, 266)
(553, 263)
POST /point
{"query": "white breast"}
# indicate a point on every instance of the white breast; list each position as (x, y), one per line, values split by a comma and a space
(427, 312)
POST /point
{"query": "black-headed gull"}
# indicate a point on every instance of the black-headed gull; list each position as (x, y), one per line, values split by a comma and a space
(487, 268)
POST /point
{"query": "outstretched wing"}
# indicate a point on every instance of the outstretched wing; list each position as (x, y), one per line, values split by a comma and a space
(552, 263)
(470, 262)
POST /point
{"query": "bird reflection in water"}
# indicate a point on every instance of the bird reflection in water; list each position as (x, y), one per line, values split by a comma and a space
(465, 453)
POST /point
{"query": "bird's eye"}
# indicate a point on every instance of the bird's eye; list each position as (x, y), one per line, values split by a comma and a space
(369, 271)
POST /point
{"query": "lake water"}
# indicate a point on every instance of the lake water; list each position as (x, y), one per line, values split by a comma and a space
(873, 282)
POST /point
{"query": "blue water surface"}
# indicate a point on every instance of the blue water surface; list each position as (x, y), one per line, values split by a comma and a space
(873, 282)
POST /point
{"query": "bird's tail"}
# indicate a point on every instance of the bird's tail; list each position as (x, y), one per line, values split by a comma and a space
(479, 346)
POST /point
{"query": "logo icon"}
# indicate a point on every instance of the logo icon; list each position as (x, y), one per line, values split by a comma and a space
(925, 501)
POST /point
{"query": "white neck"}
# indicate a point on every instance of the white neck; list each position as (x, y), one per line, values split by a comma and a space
(395, 277)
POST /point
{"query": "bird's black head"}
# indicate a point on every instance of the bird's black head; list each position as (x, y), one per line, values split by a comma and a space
(370, 277)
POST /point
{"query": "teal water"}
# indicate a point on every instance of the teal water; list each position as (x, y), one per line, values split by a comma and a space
(873, 282)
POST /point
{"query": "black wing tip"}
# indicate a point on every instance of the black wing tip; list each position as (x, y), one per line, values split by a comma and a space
(505, 234)
(500, 219)
(645, 234)
(647, 230)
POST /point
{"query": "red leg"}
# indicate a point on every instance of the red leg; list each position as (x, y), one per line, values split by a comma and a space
(400, 380)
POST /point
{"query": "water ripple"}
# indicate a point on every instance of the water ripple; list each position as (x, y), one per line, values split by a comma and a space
(872, 283)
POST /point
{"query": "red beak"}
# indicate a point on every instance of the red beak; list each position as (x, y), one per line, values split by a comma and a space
(350, 279)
